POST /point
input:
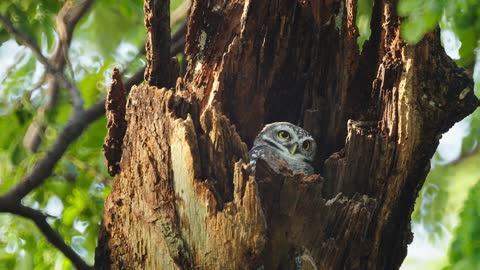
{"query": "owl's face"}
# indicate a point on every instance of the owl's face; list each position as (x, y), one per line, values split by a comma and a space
(290, 140)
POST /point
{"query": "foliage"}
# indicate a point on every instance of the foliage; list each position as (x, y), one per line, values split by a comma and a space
(462, 17)
(364, 14)
(73, 196)
(34, 18)
(435, 207)
(421, 17)
(109, 35)
(465, 250)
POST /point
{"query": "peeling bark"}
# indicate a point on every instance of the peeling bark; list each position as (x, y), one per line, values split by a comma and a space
(184, 197)
(115, 107)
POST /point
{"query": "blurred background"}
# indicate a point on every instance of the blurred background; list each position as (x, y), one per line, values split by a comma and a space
(446, 221)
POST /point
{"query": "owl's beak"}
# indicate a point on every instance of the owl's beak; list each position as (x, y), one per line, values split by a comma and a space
(293, 149)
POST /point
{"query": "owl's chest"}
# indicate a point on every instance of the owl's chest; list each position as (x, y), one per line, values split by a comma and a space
(275, 158)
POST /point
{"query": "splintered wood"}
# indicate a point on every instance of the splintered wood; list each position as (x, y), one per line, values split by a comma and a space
(182, 200)
(115, 107)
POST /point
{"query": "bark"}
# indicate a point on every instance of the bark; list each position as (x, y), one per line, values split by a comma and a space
(115, 105)
(161, 69)
(184, 197)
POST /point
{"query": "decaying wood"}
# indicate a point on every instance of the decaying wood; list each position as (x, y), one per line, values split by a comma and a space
(268, 61)
(229, 232)
(185, 199)
(115, 107)
(161, 69)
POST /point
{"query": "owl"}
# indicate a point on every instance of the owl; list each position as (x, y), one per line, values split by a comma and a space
(284, 141)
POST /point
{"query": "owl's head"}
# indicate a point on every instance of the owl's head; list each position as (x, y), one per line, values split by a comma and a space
(290, 140)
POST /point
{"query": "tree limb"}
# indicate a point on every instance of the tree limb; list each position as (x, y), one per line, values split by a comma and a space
(66, 20)
(44, 167)
(79, 120)
(180, 12)
(85, 166)
(40, 220)
(72, 130)
(63, 81)
(464, 156)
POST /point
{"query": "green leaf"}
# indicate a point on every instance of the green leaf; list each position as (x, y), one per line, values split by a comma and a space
(18, 154)
(444, 193)
(469, 38)
(406, 7)
(4, 36)
(412, 30)
(24, 261)
(421, 17)
(465, 249)
(364, 14)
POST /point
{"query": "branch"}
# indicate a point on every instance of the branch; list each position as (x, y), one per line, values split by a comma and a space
(79, 120)
(180, 12)
(75, 126)
(178, 39)
(72, 130)
(44, 167)
(27, 41)
(40, 220)
(66, 21)
(464, 156)
(84, 166)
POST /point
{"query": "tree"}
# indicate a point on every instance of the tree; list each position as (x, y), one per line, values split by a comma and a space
(184, 198)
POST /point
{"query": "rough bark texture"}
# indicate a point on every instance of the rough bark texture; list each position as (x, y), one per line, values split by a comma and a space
(115, 106)
(184, 198)
(161, 69)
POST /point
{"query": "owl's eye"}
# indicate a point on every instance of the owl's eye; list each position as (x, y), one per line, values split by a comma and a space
(306, 145)
(283, 135)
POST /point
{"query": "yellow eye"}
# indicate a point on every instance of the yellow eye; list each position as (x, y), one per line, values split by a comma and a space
(283, 135)
(306, 145)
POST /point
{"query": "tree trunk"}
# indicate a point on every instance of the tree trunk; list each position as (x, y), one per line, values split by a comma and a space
(184, 198)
